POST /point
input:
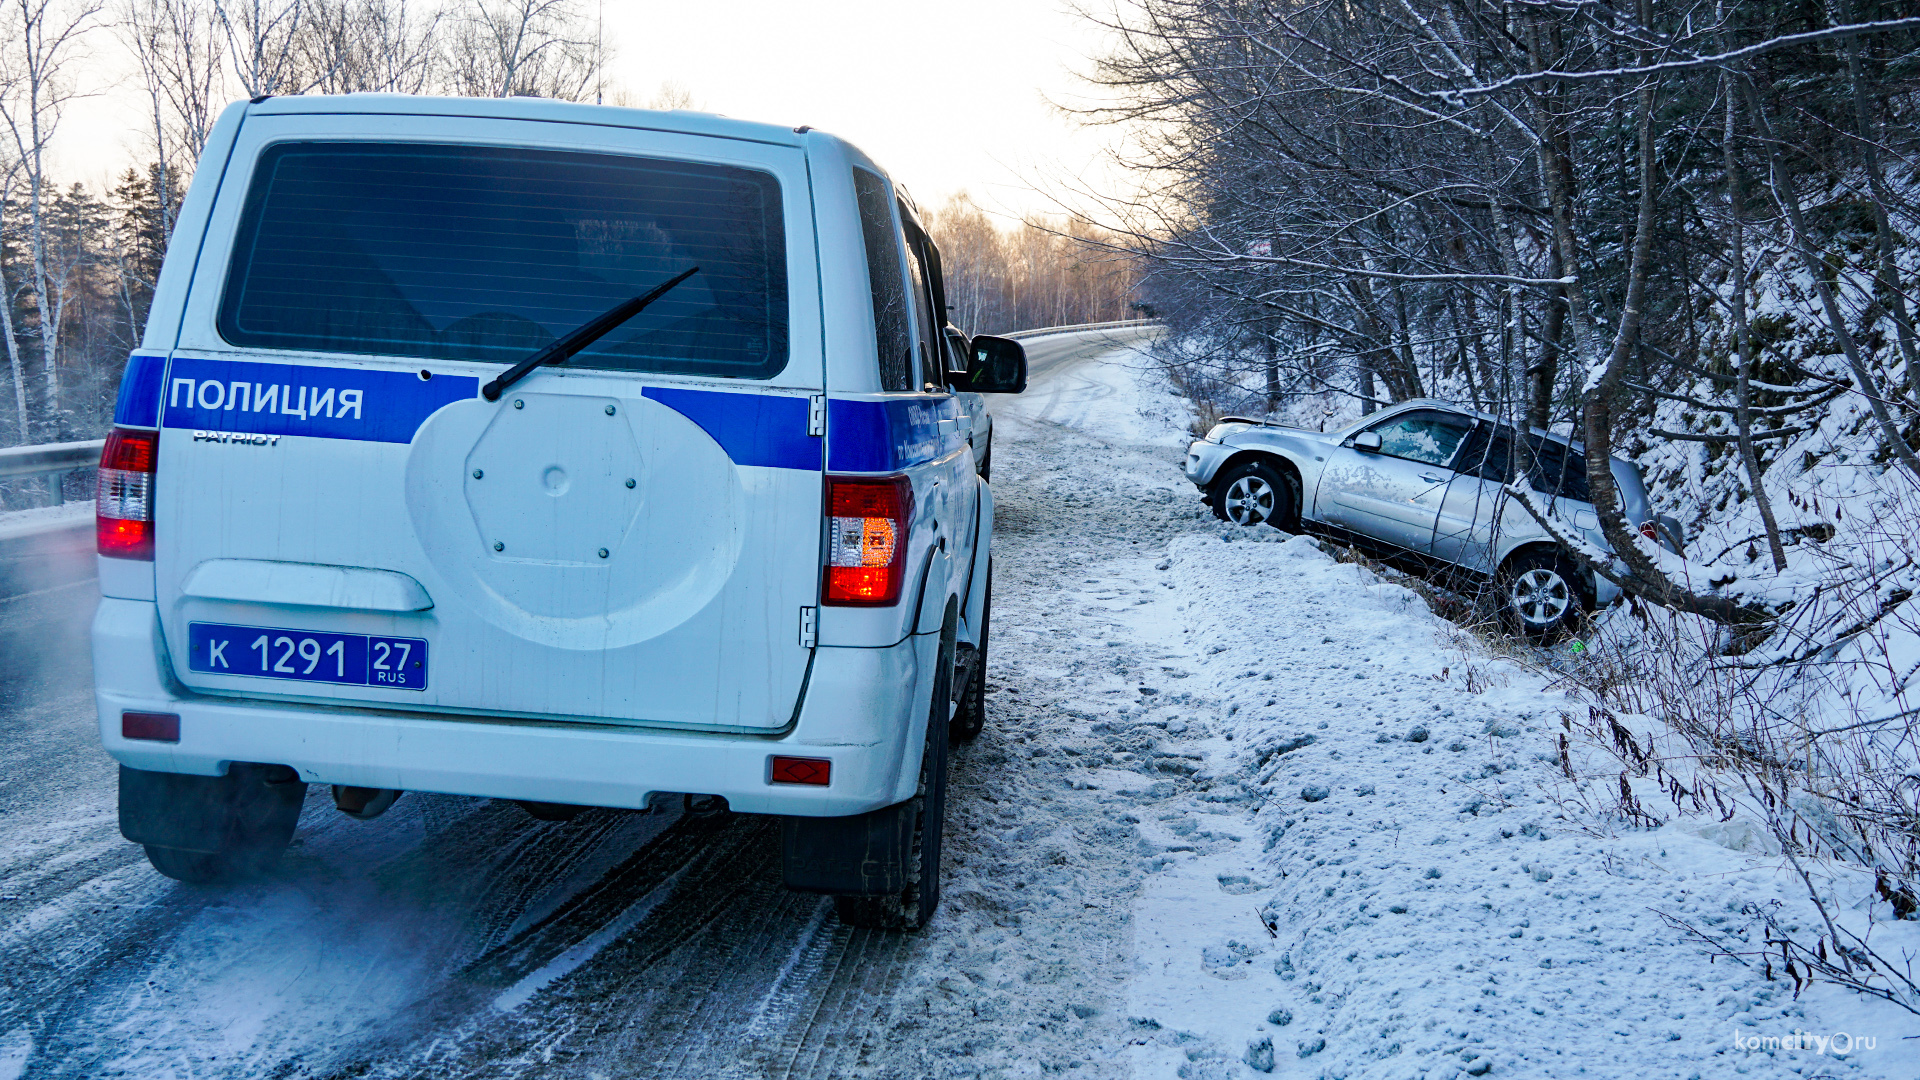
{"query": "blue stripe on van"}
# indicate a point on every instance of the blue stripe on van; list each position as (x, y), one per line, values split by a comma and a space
(362, 404)
(891, 434)
(754, 429)
(139, 404)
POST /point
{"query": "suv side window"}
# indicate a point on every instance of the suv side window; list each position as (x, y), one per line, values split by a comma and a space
(891, 333)
(932, 377)
(1487, 453)
(1557, 469)
(1560, 470)
(1424, 435)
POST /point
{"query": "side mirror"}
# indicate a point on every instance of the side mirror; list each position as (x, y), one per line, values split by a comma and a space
(958, 353)
(999, 367)
(1367, 442)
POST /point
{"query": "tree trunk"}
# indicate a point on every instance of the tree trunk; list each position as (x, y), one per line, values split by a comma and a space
(1743, 340)
(13, 357)
(1270, 357)
(1891, 288)
(1643, 577)
(1543, 373)
(1780, 183)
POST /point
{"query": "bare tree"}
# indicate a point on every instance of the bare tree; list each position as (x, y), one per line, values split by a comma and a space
(673, 95)
(43, 39)
(533, 48)
(263, 43)
(15, 364)
(1744, 352)
(377, 46)
(177, 44)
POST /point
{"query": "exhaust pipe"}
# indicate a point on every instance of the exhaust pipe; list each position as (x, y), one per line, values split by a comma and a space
(365, 803)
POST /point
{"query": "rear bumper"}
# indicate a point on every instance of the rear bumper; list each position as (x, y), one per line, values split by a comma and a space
(857, 712)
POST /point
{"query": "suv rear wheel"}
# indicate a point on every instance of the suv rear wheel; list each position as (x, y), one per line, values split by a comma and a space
(1256, 493)
(1540, 593)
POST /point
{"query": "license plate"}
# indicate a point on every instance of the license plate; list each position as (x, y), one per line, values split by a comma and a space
(268, 652)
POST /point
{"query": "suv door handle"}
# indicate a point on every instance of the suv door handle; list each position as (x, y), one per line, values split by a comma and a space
(1433, 479)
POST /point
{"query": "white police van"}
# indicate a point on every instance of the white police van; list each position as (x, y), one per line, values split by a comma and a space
(554, 453)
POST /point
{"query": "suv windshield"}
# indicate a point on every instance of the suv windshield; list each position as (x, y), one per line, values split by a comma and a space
(491, 253)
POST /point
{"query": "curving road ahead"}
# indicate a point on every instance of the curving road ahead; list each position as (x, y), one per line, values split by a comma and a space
(457, 937)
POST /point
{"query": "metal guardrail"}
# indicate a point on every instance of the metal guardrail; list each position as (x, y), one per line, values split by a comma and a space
(54, 461)
(1047, 331)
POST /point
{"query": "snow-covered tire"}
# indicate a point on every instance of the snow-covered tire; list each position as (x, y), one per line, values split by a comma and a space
(1540, 594)
(1256, 493)
(970, 712)
(912, 907)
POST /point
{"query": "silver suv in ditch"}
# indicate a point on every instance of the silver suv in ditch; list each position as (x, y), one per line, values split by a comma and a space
(1424, 480)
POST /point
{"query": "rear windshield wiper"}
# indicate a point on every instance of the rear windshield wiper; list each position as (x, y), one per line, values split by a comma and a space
(589, 332)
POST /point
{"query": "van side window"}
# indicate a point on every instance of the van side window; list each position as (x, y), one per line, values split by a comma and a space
(942, 317)
(932, 375)
(898, 369)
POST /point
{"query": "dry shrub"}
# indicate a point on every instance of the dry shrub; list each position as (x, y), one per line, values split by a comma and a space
(1786, 743)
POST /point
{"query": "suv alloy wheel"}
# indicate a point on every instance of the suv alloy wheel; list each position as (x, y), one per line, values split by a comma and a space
(1256, 493)
(1540, 593)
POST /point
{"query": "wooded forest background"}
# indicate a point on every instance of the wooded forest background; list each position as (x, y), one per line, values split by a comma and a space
(78, 265)
(1680, 232)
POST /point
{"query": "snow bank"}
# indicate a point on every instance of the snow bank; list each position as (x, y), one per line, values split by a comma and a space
(1394, 877)
(18, 523)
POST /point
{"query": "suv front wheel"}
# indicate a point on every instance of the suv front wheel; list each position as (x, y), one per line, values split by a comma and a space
(1256, 493)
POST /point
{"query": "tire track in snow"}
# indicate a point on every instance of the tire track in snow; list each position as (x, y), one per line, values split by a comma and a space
(379, 948)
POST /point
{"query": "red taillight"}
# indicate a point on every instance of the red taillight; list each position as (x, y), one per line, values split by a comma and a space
(867, 540)
(156, 726)
(123, 495)
(816, 771)
(1651, 531)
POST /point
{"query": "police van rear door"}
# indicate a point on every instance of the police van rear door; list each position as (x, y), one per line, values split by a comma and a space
(632, 536)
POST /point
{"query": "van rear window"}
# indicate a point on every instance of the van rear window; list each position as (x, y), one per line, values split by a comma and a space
(490, 253)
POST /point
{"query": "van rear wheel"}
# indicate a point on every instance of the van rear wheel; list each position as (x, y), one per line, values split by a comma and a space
(912, 907)
(208, 829)
(970, 715)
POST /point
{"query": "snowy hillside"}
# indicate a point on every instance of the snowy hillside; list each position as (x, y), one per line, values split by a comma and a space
(1369, 860)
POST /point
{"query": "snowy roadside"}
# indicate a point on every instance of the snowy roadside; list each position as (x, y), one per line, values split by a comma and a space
(19, 523)
(1374, 865)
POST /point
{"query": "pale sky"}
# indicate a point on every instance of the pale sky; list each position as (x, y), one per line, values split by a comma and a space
(947, 96)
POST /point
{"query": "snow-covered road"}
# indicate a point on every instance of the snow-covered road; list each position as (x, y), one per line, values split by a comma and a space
(1238, 807)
